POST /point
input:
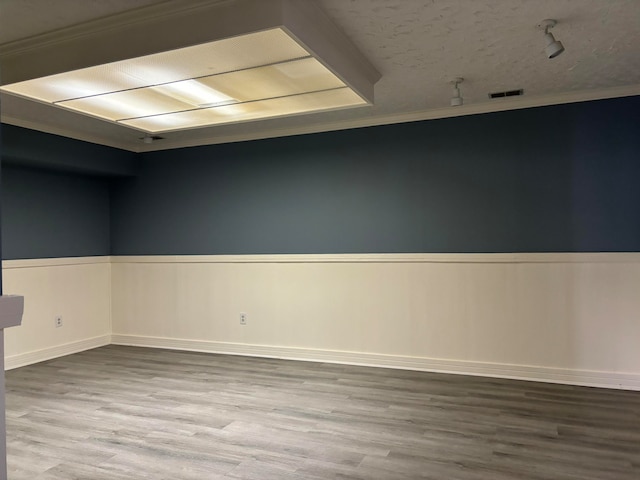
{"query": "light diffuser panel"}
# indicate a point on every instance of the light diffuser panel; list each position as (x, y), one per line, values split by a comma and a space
(227, 55)
(276, 107)
(127, 104)
(195, 64)
(279, 80)
(261, 83)
(259, 75)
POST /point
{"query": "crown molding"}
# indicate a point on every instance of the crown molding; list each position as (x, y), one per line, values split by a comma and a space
(136, 16)
(497, 105)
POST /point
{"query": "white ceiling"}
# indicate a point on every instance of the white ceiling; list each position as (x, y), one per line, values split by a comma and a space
(418, 46)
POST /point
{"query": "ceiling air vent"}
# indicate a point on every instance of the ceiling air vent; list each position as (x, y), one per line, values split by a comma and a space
(508, 93)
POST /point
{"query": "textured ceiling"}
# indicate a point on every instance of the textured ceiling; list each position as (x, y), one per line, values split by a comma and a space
(417, 45)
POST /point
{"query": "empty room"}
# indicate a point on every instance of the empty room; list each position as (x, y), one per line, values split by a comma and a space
(320, 239)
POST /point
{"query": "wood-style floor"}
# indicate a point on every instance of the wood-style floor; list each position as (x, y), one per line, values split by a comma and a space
(133, 413)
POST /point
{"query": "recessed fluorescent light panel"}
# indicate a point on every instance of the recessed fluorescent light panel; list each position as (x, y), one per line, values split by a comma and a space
(254, 76)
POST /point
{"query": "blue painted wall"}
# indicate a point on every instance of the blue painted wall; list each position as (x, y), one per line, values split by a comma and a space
(30, 148)
(55, 194)
(553, 179)
(53, 214)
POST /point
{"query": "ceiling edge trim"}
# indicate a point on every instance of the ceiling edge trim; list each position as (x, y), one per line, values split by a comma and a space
(512, 103)
(192, 25)
(498, 105)
(116, 21)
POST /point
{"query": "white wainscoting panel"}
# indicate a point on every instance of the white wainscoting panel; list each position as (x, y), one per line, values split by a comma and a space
(570, 318)
(78, 289)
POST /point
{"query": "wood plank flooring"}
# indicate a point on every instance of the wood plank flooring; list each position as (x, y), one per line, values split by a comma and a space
(133, 413)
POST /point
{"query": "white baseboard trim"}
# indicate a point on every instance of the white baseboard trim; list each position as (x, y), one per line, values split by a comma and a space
(625, 381)
(28, 358)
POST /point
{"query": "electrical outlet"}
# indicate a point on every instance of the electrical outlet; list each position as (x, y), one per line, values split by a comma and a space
(243, 318)
(58, 321)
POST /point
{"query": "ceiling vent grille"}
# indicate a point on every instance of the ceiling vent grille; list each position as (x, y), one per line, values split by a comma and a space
(508, 93)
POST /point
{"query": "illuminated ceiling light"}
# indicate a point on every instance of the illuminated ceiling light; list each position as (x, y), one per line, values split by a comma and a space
(217, 63)
(456, 99)
(194, 93)
(553, 48)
